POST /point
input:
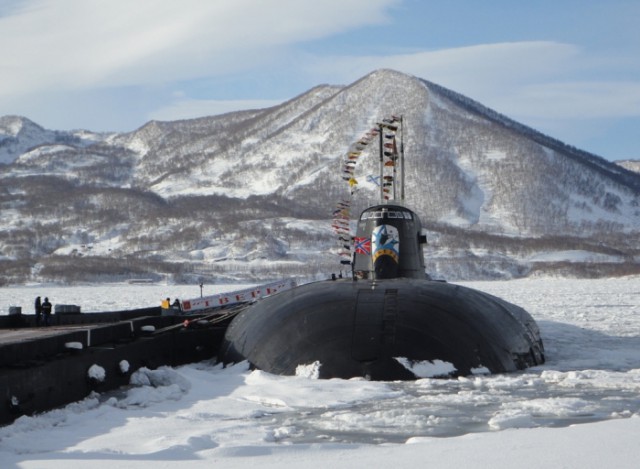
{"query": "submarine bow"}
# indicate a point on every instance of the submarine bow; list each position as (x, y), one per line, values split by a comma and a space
(384, 330)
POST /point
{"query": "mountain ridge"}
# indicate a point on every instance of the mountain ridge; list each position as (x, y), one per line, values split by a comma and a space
(248, 194)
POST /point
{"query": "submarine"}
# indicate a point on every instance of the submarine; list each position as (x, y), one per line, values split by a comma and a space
(389, 320)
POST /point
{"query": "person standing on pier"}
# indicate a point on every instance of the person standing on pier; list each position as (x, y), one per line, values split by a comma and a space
(38, 307)
(46, 312)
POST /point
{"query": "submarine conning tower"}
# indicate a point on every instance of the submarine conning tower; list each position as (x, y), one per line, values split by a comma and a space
(389, 244)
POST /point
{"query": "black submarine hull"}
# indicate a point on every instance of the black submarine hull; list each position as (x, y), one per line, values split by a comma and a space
(392, 329)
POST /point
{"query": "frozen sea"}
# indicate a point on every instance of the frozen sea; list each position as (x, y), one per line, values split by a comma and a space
(580, 409)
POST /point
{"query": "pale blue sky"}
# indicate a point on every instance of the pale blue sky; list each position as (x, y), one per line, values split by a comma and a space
(569, 68)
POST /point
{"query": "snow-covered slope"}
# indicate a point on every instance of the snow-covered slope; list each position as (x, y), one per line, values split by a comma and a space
(250, 194)
(631, 165)
(19, 135)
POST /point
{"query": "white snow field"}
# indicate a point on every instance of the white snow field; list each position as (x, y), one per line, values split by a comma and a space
(580, 409)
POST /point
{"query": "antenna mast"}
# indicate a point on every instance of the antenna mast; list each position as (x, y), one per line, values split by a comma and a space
(402, 158)
(390, 158)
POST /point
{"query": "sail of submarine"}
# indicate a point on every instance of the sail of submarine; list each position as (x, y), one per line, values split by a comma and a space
(389, 321)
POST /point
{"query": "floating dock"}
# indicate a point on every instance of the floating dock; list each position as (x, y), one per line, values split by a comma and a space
(42, 368)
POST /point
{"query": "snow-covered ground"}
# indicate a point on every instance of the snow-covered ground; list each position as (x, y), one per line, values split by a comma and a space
(106, 297)
(581, 409)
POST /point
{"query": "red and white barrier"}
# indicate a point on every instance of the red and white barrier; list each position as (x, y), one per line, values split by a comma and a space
(234, 297)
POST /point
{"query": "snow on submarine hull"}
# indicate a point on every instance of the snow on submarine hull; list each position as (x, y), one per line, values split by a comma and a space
(390, 322)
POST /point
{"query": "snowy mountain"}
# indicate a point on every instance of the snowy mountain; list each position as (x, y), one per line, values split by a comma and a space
(631, 165)
(249, 194)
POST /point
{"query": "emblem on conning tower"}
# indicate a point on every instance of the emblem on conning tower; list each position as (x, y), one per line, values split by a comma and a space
(385, 242)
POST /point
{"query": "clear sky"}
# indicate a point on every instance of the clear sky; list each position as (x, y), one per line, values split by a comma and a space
(569, 68)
